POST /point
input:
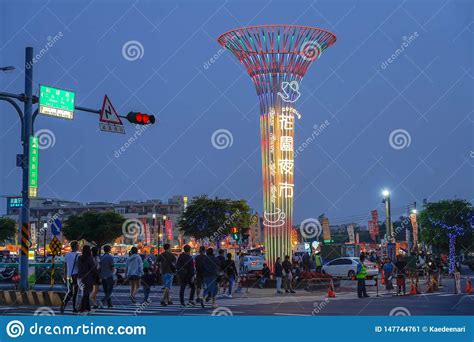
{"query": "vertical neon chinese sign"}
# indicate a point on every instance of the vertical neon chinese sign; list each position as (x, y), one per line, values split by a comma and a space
(33, 168)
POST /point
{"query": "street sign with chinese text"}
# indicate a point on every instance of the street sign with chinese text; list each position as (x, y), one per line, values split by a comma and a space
(56, 102)
(33, 168)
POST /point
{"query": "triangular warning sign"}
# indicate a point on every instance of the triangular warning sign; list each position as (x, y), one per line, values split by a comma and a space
(108, 113)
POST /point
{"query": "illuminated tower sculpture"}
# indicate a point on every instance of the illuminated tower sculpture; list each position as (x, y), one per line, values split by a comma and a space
(276, 58)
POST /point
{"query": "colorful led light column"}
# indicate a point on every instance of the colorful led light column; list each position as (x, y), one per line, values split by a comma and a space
(276, 58)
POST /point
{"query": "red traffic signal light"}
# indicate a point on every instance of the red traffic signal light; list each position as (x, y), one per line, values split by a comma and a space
(140, 118)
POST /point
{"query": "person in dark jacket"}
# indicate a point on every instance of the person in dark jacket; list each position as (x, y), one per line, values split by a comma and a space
(230, 274)
(278, 274)
(87, 274)
(199, 281)
(211, 269)
(186, 274)
(168, 269)
(221, 278)
(287, 275)
(265, 275)
(148, 280)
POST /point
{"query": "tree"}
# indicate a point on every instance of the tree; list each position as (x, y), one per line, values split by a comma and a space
(97, 228)
(437, 216)
(213, 218)
(7, 228)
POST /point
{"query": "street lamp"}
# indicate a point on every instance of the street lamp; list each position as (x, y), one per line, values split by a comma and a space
(154, 224)
(45, 227)
(388, 220)
(7, 68)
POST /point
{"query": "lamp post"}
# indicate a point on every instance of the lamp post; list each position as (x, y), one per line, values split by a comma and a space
(45, 226)
(163, 221)
(154, 226)
(388, 220)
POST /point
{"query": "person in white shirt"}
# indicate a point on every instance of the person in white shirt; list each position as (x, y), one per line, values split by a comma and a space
(70, 271)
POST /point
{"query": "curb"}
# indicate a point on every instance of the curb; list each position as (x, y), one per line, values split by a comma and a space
(42, 298)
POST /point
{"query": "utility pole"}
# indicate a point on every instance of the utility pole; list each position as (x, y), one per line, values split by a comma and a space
(25, 139)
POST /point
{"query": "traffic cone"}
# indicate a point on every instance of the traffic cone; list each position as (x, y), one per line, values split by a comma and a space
(469, 288)
(430, 286)
(331, 293)
(413, 288)
(383, 278)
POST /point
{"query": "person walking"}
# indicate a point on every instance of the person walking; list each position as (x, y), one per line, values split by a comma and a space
(70, 270)
(148, 280)
(168, 269)
(230, 274)
(86, 277)
(388, 275)
(318, 262)
(199, 281)
(287, 275)
(278, 274)
(133, 272)
(106, 270)
(211, 268)
(97, 280)
(400, 266)
(265, 275)
(186, 273)
(360, 276)
(221, 278)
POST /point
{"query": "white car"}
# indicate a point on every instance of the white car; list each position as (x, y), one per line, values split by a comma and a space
(252, 263)
(347, 267)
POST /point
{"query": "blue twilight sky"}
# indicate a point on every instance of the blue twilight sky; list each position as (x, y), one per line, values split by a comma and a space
(426, 91)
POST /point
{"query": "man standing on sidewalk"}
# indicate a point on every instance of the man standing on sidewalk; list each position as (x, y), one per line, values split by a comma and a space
(186, 273)
(106, 269)
(71, 270)
(168, 268)
(361, 275)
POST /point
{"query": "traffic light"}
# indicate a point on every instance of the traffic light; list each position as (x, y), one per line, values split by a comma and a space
(245, 235)
(235, 233)
(140, 118)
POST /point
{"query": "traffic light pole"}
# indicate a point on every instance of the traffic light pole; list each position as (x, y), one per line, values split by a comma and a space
(25, 139)
(27, 118)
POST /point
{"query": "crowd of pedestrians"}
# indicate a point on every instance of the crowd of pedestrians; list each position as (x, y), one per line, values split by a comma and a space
(206, 275)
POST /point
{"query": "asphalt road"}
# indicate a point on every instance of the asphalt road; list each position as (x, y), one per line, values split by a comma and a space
(267, 302)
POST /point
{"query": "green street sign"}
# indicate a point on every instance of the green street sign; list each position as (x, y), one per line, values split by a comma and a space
(56, 102)
(33, 167)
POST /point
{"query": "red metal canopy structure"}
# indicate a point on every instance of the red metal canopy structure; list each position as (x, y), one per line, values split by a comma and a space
(276, 58)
